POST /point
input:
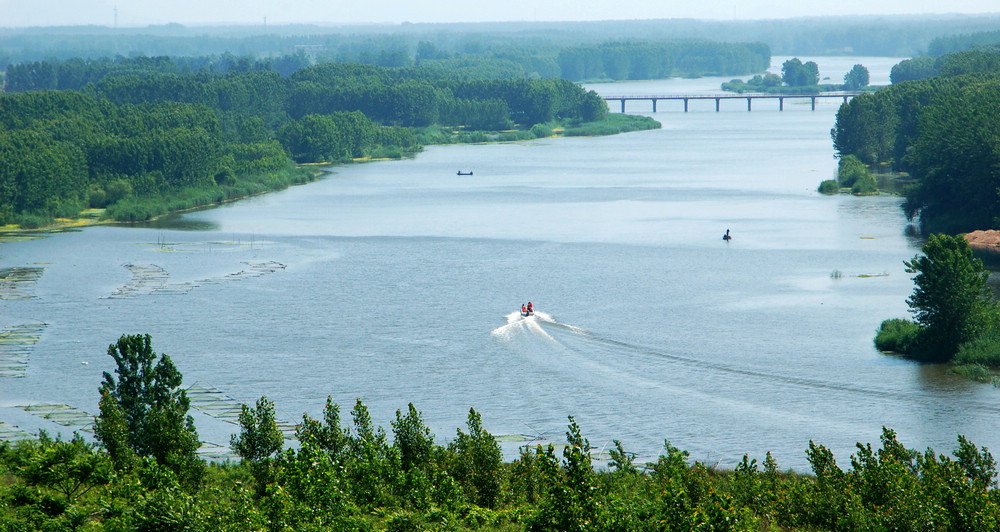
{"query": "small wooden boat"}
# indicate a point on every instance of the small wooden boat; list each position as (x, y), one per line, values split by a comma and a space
(464, 173)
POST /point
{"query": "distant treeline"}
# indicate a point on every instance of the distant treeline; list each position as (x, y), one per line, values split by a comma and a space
(943, 131)
(534, 46)
(959, 43)
(618, 60)
(138, 134)
(630, 60)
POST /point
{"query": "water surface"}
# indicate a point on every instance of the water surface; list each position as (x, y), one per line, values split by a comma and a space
(397, 282)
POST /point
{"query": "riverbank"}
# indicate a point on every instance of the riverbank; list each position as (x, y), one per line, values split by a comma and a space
(134, 210)
(86, 218)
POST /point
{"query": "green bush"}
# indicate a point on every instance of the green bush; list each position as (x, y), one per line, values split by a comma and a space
(96, 197)
(851, 169)
(118, 190)
(540, 131)
(897, 335)
(864, 185)
(830, 186)
(33, 221)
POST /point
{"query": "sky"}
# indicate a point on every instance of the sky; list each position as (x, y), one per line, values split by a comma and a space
(132, 13)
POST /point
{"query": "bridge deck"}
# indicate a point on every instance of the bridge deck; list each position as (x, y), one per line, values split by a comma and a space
(748, 96)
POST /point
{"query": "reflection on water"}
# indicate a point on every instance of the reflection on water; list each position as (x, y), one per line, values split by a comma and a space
(176, 222)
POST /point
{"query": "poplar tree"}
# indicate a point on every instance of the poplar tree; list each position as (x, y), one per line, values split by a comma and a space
(951, 301)
(147, 401)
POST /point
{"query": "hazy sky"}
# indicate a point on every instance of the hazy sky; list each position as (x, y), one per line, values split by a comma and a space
(19, 13)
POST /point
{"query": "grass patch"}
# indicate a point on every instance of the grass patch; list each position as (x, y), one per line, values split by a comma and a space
(984, 350)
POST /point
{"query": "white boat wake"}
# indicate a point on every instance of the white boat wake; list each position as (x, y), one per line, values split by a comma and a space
(545, 340)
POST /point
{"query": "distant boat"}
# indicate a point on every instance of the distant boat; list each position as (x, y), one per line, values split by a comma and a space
(726, 236)
(464, 173)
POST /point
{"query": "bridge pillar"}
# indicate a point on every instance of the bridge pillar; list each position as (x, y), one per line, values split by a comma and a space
(781, 104)
(685, 105)
(748, 102)
(717, 104)
(845, 99)
(813, 103)
(623, 105)
(654, 105)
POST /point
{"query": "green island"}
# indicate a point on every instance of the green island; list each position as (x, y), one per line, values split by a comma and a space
(146, 475)
(799, 78)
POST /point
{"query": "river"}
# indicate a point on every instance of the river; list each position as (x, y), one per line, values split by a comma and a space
(398, 282)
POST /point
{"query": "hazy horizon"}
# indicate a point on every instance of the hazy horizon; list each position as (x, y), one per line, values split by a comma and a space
(130, 13)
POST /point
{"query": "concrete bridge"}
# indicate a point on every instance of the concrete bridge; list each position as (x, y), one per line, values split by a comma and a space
(749, 97)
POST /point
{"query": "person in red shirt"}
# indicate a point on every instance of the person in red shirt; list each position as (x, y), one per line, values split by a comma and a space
(530, 310)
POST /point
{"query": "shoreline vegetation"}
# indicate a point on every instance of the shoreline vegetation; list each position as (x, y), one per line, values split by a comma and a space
(149, 209)
(935, 128)
(146, 474)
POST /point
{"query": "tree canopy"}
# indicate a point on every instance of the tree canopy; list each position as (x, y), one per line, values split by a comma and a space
(795, 73)
(942, 131)
(856, 78)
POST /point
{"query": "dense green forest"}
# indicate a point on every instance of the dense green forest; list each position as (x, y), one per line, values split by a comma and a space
(144, 474)
(127, 134)
(942, 131)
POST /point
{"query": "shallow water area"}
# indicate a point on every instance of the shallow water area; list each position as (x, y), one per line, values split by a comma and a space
(398, 282)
